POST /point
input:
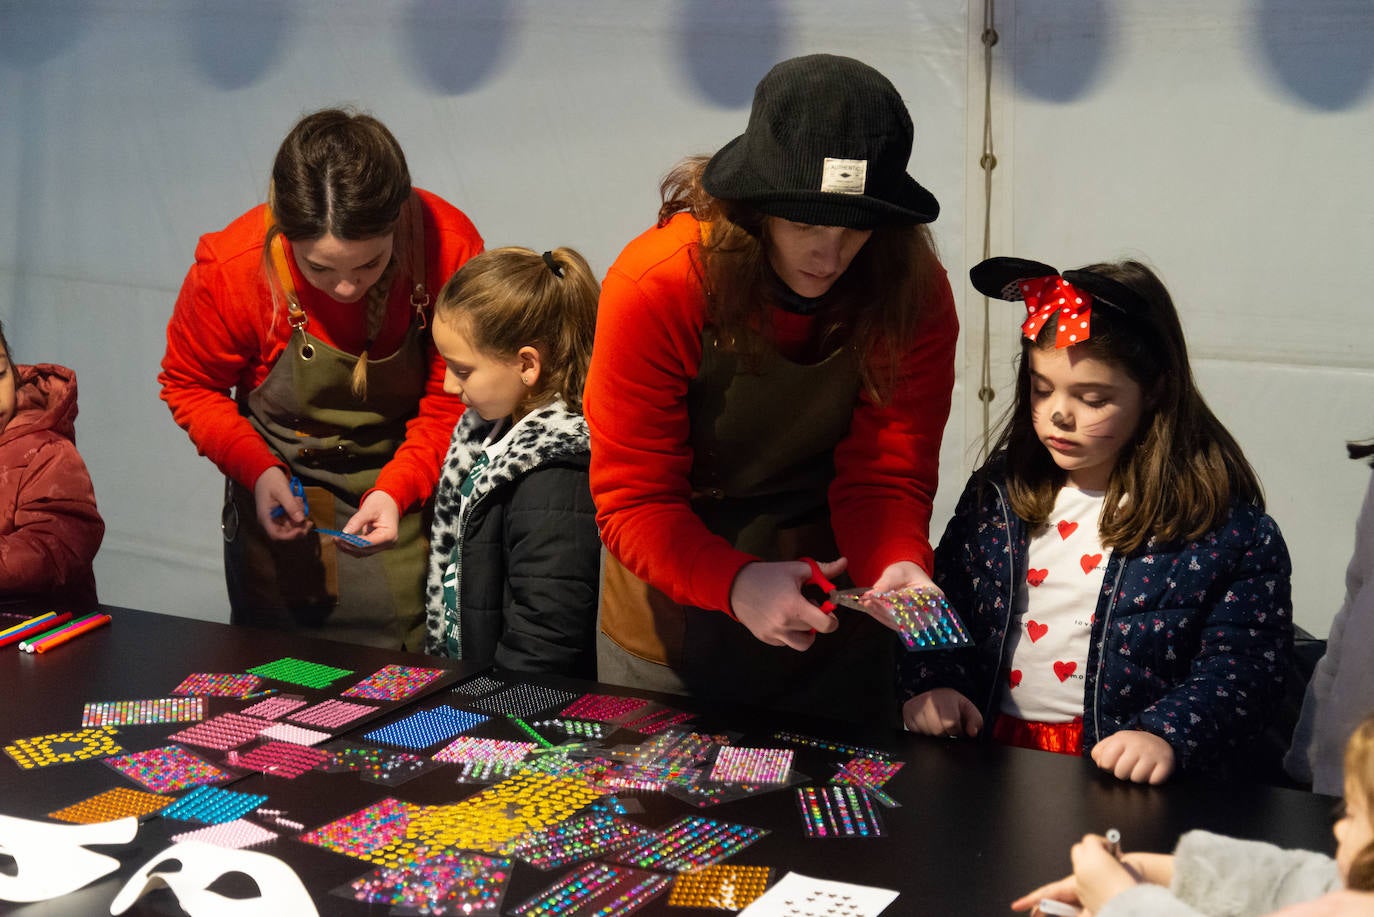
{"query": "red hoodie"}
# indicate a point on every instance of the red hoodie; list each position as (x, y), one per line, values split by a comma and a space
(49, 526)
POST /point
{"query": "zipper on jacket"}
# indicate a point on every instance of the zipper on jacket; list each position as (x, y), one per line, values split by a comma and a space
(1011, 599)
(1102, 652)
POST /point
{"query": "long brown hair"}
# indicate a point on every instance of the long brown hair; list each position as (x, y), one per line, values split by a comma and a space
(512, 297)
(1359, 777)
(876, 304)
(1178, 478)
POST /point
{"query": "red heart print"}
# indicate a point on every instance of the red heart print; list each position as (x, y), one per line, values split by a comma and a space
(1064, 669)
(1066, 529)
(1089, 561)
(1014, 677)
(1035, 630)
(1036, 577)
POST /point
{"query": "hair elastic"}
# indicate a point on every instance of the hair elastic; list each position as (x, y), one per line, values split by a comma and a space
(553, 265)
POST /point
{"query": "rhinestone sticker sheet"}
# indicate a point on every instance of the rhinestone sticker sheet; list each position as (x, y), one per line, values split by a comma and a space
(690, 843)
(366, 831)
(426, 728)
(796, 895)
(300, 672)
(228, 730)
(121, 802)
(736, 764)
(143, 712)
(723, 886)
(582, 837)
(63, 747)
(470, 750)
(605, 708)
(595, 889)
(167, 769)
(279, 759)
(331, 714)
(213, 684)
(522, 700)
(296, 735)
(393, 682)
(274, 708)
(212, 805)
(236, 834)
(438, 882)
(476, 687)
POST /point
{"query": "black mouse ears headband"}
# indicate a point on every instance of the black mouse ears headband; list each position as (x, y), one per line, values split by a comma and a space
(1045, 291)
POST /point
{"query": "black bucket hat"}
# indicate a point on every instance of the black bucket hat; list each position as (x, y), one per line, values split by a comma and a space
(827, 143)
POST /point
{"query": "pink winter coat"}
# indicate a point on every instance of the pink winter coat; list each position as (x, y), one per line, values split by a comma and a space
(49, 526)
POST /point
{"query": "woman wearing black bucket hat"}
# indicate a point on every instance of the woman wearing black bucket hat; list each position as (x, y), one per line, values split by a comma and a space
(770, 381)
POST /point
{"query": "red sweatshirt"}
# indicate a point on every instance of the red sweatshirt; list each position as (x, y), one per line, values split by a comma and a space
(648, 348)
(50, 529)
(224, 334)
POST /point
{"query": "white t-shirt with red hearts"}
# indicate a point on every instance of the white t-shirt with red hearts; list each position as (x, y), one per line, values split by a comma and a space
(1051, 623)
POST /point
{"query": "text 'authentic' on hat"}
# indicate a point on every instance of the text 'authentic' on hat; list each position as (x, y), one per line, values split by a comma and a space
(827, 143)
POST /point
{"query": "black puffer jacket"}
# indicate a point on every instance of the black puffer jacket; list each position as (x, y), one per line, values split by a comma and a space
(523, 589)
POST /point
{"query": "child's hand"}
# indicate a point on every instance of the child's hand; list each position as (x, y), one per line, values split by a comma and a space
(1140, 757)
(902, 575)
(767, 599)
(942, 712)
(271, 490)
(1062, 890)
(1098, 876)
(378, 520)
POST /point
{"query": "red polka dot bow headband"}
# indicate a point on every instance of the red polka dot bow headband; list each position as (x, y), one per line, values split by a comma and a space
(1046, 293)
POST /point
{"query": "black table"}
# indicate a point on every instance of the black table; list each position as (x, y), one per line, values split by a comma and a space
(978, 824)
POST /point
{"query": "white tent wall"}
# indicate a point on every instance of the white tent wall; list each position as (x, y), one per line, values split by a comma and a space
(1219, 140)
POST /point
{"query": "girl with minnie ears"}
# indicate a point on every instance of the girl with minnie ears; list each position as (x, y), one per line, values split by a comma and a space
(1127, 596)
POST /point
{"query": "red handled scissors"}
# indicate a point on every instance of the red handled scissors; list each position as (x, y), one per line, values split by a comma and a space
(831, 597)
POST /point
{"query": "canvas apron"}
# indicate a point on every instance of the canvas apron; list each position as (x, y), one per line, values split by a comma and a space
(336, 444)
(763, 440)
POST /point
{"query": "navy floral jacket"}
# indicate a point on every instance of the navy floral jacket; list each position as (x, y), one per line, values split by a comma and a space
(1189, 640)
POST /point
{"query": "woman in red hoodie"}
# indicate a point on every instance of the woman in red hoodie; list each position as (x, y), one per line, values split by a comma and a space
(299, 361)
(49, 526)
(770, 381)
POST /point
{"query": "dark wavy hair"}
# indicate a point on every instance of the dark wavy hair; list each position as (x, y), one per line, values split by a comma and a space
(1179, 476)
(876, 303)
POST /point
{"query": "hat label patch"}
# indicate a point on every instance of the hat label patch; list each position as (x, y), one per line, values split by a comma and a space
(844, 176)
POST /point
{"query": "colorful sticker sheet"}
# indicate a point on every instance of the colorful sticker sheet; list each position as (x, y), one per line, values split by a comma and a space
(738, 764)
(599, 889)
(213, 805)
(215, 684)
(488, 820)
(143, 712)
(120, 802)
(522, 700)
(274, 708)
(223, 732)
(167, 769)
(582, 837)
(838, 811)
(300, 672)
(605, 708)
(363, 833)
(378, 765)
(690, 843)
(924, 618)
(478, 686)
(235, 834)
(296, 735)
(426, 728)
(471, 750)
(836, 747)
(724, 886)
(331, 714)
(279, 759)
(393, 682)
(437, 882)
(64, 747)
